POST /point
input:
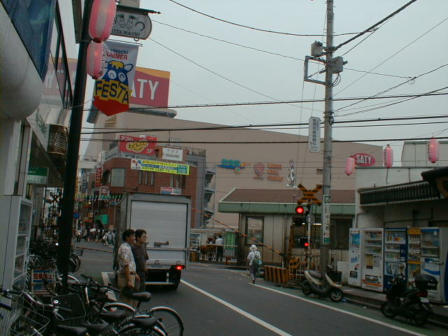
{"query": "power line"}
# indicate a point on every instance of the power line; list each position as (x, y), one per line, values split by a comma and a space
(396, 86)
(394, 54)
(387, 105)
(269, 52)
(224, 127)
(374, 25)
(297, 101)
(271, 142)
(214, 72)
(253, 28)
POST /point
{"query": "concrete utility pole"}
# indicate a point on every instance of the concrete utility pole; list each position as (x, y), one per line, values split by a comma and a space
(328, 138)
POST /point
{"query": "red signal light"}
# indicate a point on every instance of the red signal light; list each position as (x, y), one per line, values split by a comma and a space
(300, 210)
(179, 267)
(306, 244)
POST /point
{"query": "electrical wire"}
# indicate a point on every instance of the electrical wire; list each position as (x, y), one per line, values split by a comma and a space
(387, 105)
(235, 127)
(396, 86)
(269, 52)
(271, 142)
(253, 28)
(217, 74)
(394, 54)
(296, 101)
(374, 25)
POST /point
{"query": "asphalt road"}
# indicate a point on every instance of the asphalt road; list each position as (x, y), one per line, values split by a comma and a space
(215, 300)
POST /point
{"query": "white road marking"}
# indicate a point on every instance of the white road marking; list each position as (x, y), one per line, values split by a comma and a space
(239, 311)
(342, 311)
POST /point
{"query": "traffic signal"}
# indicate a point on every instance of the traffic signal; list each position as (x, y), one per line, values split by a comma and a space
(300, 210)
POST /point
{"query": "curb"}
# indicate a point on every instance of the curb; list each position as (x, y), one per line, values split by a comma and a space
(439, 320)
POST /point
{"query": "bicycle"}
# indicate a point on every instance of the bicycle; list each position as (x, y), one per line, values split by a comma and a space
(168, 319)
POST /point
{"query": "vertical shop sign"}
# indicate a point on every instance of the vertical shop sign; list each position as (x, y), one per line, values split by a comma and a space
(113, 90)
(314, 135)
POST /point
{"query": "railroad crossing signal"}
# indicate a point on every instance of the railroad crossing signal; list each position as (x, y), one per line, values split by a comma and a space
(309, 196)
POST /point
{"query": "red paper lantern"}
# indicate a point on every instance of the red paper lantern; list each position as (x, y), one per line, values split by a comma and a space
(95, 59)
(102, 18)
(349, 166)
(388, 156)
(433, 150)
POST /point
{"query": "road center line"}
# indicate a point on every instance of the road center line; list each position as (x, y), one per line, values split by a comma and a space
(342, 311)
(239, 311)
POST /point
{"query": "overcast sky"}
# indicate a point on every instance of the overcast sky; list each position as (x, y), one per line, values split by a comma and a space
(405, 46)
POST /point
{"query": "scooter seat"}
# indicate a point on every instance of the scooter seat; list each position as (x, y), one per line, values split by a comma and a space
(316, 274)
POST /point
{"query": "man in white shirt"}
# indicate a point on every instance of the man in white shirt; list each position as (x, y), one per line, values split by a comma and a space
(219, 242)
(126, 267)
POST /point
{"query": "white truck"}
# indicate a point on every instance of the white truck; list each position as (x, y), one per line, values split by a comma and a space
(166, 219)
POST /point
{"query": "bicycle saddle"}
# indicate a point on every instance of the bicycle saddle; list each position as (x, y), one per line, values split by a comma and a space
(141, 296)
(144, 322)
(71, 331)
(112, 316)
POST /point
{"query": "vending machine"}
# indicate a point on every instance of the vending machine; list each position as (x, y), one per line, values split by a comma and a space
(414, 253)
(354, 255)
(372, 259)
(395, 255)
(434, 249)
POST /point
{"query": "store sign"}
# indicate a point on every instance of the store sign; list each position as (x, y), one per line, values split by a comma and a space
(232, 164)
(160, 167)
(98, 176)
(364, 159)
(172, 154)
(170, 191)
(37, 175)
(314, 135)
(132, 22)
(150, 87)
(138, 145)
(112, 91)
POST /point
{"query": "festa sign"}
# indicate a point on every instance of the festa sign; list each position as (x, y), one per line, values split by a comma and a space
(113, 89)
(138, 145)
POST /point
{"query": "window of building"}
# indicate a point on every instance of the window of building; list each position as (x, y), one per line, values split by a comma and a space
(117, 177)
(152, 178)
(140, 177)
(254, 230)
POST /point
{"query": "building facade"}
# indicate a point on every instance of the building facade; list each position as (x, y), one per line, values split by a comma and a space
(35, 97)
(242, 157)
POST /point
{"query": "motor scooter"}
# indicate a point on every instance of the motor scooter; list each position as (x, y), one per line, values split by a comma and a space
(322, 285)
(412, 302)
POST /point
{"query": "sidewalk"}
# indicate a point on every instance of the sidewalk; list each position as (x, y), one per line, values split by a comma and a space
(376, 299)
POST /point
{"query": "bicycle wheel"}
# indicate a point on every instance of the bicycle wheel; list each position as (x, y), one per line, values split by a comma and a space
(169, 319)
(136, 331)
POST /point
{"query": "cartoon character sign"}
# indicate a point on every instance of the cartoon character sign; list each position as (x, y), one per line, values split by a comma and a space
(112, 91)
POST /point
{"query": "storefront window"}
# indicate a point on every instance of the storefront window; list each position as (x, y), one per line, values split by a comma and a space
(254, 230)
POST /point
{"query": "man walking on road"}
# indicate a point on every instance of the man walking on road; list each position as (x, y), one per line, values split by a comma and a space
(140, 257)
(126, 267)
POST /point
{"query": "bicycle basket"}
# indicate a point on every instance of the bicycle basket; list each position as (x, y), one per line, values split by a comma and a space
(71, 309)
(27, 321)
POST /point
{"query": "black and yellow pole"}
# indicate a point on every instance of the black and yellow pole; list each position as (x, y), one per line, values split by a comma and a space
(68, 200)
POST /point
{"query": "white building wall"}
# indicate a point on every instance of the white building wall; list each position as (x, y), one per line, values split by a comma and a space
(415, 154)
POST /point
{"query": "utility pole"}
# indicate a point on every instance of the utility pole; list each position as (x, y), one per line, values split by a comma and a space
(66, 219)
(332, 66)
(328, 138)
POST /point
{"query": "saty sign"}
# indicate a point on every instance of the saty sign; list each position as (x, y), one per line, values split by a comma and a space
(113, 90)
(364, 159)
